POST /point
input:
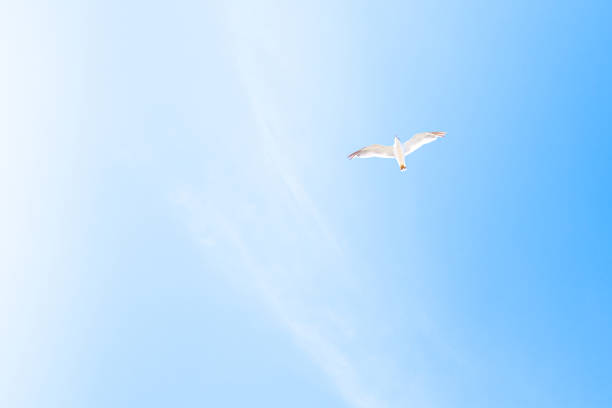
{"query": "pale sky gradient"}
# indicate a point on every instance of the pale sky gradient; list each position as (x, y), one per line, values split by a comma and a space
(180, 225)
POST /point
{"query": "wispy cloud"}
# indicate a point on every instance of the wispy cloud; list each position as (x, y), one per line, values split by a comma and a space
(288, 274)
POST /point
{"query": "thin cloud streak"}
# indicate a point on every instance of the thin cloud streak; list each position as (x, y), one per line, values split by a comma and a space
(289, 282)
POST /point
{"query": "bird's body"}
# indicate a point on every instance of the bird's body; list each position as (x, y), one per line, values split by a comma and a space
(398, 151)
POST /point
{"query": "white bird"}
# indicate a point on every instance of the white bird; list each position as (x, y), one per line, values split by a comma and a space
(398, 151)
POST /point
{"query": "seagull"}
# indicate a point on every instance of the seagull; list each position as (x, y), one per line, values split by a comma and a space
(398, 150)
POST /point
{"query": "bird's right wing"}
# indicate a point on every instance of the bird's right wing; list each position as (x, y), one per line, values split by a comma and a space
(375, 150)
(421, 139)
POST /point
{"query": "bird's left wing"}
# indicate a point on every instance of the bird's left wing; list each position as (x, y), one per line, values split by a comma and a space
(375, 150)
(421, 139)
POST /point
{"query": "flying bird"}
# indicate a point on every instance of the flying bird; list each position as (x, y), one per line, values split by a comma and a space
(399, 150)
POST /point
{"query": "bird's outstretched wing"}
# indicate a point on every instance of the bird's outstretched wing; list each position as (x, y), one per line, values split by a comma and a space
(374, 150)
(421, 139)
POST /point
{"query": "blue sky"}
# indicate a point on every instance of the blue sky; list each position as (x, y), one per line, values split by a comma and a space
(181, 226)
